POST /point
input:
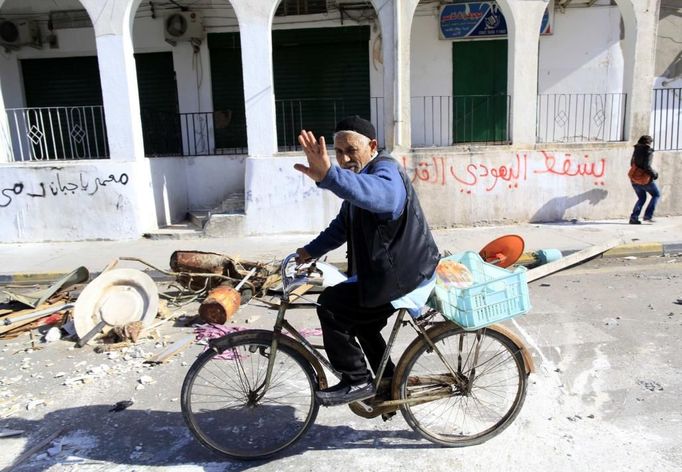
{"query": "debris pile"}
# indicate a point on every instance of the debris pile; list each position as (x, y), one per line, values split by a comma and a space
(121, 306)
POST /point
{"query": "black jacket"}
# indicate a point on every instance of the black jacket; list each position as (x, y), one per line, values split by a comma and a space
(390, 257)
(641, 157)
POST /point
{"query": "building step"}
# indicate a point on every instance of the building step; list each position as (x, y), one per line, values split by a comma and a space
(222, 225)
(185, 230)
(232, 204)
(224, 220)
(198, 217)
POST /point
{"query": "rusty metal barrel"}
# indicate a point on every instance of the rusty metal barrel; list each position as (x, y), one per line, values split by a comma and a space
(220, 305)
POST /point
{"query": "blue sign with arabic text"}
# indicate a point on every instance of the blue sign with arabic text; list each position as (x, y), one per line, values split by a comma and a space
(478, 20)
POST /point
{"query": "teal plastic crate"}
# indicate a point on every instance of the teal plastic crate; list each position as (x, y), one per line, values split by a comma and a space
(497, 294)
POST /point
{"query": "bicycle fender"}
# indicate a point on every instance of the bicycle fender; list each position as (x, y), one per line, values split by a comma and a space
(223, 342)
(516, 339)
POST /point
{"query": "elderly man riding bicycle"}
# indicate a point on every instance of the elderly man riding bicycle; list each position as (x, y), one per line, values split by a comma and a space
(391, 253)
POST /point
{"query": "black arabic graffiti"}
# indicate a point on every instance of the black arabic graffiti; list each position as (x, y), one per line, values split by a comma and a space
(57, 186)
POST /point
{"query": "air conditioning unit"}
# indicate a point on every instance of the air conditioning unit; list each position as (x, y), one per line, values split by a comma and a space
(15, 34)
(183, 26)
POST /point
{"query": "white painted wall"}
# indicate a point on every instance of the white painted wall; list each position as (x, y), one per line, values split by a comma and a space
(430, 81)
(211, 179)
(584, 54)
(666, 118)
(183, 184)
(489, 185)
(455, 187)
(169, 185)
(69, 201)
(280, 199)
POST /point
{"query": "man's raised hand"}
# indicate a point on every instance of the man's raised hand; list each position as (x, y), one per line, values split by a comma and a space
(316, 153)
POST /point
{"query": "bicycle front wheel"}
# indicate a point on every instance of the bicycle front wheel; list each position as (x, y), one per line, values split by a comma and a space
(227, 408)
(474, 399)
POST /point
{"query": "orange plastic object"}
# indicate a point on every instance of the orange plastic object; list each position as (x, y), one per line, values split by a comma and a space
(503, 251)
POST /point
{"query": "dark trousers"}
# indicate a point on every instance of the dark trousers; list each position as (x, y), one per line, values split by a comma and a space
(641, 191)
(344, 324)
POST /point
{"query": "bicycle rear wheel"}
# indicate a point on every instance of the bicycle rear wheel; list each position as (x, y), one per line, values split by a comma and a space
(487, 396)
(224, 404)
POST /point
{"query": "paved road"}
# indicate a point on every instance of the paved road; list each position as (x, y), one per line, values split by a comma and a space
(605, 337)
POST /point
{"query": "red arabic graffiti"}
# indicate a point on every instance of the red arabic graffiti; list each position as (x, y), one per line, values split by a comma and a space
(437, 171)
(569, 167)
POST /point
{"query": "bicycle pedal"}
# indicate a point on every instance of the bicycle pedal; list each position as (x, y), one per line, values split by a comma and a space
(388, 415)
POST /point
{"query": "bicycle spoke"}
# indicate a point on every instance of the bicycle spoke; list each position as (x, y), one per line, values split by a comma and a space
(228, 408)
(481, 404)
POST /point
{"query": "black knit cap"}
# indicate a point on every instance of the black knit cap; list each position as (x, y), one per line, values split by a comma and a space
(357, 124)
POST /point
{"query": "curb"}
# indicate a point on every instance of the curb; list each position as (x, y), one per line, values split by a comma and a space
(46, 277)
(527, 258)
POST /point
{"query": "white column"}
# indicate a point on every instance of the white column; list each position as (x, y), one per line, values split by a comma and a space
(113, 33)
(387, 14)
(5, 137)
(113, 22)
(523, 32)
(259, 92)
(639, 52)
(403, 39)
(395, 19)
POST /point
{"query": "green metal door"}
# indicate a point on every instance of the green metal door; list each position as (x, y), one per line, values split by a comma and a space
(321, 75)
(158, 104)
(480, 102)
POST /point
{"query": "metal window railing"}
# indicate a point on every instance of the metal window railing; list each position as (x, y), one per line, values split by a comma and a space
(446, 120)
(320, 116)
(581, 117)
(168, 134)
(666, 119)
(58, 133)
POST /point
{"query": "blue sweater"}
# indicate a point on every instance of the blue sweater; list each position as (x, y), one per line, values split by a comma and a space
(381, 192)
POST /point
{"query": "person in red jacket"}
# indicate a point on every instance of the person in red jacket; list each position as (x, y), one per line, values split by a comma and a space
(641, 158)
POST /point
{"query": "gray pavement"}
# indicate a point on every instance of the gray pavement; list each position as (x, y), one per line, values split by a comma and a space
(26, 260)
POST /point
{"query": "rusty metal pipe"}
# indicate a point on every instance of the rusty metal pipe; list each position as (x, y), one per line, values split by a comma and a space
(220, 305)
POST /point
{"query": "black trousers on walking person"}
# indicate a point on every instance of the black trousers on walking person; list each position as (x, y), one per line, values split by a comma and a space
(345, 323)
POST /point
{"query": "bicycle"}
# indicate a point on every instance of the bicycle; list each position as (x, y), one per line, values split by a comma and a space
(252, 393)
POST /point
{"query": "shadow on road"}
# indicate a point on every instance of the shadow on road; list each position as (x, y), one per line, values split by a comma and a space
(146, 437)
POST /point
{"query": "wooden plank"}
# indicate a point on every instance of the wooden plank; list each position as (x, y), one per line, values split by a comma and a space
(32, 450)
(41, 312)
(572, 259)
(298, 292)
(178, 346)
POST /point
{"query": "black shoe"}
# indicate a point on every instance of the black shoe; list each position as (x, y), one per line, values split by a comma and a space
(342, 393)
(635, 222)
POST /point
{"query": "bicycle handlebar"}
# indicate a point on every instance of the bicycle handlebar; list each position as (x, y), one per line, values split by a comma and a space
(298, 275)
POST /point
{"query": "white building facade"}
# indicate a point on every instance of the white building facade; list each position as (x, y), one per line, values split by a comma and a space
(121, 117)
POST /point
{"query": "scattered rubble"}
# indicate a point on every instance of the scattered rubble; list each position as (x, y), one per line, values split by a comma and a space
(118, 308)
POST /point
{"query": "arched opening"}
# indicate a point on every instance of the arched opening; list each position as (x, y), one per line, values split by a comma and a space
(189, 73)
(50, 81)
(189, 78)
(581, 91)
(458, 74)
(327, 64)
